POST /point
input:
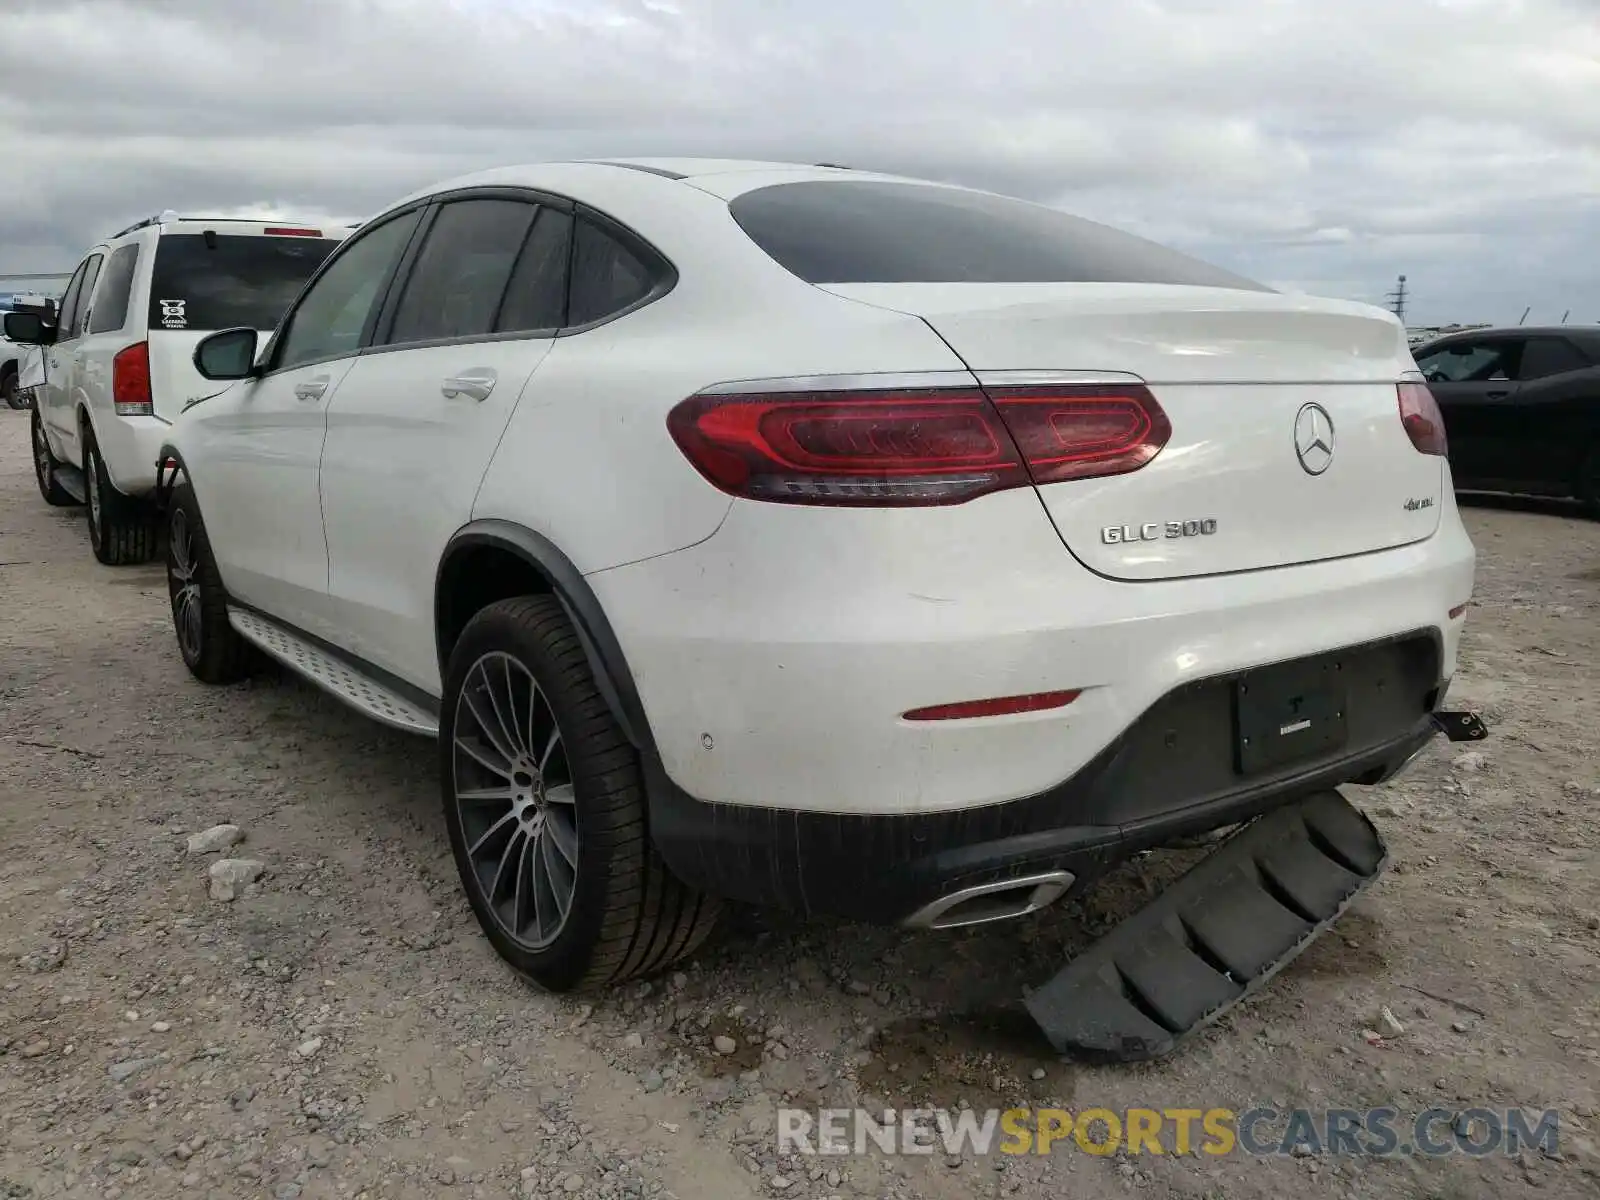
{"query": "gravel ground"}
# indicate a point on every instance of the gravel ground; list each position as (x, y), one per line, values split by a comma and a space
(340, 1029)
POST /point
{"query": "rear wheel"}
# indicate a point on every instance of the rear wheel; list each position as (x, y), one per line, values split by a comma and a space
(122, 530)
(44, 468)
(211, 649)
(544, 802)
(1588, 489)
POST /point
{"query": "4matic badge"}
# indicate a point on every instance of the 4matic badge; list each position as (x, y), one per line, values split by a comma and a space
(1155, 531)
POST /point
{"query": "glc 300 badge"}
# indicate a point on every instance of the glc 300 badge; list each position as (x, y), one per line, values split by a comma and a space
(1156, 531)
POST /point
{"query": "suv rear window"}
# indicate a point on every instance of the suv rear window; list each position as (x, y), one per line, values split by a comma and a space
(221, 281)
(868, 231)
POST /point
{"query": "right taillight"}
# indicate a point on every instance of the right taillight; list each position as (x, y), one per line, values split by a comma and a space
(1419, 413)
(897, 447)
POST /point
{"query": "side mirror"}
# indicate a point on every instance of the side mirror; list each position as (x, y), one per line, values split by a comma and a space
(29, 329)
(228, 354)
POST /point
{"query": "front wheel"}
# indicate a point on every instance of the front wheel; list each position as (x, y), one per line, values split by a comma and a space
(122, 530)
(544, 802)
(212, 651)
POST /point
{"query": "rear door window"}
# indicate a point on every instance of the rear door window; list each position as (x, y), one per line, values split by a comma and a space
(116, 289)
(1551, 356)
(211, 280)
(455, 289)
(868, 231)
(536, 297)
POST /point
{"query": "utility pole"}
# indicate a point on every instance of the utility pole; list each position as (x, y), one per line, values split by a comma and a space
(1397, 300)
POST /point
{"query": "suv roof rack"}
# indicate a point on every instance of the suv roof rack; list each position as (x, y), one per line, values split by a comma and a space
(164, 215)
(167, 216)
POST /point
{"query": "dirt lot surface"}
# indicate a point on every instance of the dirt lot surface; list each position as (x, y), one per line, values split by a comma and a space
(342, 1030)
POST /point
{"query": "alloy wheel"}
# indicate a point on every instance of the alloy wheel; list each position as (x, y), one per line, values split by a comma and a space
(91, 484)
(514, 797)
(42, 465)
(184, 582)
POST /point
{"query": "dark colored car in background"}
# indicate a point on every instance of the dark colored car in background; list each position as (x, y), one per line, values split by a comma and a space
(1521, 408)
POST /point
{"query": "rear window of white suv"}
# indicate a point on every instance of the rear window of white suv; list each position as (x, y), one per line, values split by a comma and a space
(212, 281)
(871, 231)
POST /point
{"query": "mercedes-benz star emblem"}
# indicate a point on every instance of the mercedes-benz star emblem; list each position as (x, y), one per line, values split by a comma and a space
(1313, 439)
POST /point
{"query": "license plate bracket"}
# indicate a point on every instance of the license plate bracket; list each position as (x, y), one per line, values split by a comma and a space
(1288, 713)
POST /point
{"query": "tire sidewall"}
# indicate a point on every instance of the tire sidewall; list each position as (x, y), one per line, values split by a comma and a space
(94, 483)
(566, 960)
(44, 466)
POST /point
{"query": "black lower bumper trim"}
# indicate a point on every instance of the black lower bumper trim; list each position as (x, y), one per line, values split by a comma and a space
(1174, 773)
(1215, 936)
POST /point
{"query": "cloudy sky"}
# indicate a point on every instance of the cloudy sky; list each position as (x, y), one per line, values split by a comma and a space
(1324, 145)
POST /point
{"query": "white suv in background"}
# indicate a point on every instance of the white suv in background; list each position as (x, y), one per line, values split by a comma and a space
(118, 361)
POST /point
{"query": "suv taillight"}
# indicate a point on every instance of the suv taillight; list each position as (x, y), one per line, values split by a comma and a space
(1419, 413)
(915, 446)
(130, 381)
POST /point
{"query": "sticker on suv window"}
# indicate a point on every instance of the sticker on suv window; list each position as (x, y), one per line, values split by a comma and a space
(174, 314)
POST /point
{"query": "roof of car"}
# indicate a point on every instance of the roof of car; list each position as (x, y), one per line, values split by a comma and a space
(695, 168)
(1519, 331)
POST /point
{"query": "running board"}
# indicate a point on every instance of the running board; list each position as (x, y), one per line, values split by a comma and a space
(332, 674)
(72, 482)
(1215, 936)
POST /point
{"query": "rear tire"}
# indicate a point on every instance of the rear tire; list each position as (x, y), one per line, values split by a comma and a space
(545, 806)
(122, 530)
(1588, 488)
(44, 468)
(211, 649)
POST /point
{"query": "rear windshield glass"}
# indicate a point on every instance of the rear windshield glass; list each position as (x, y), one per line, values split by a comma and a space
(223, 281)
(867, 231)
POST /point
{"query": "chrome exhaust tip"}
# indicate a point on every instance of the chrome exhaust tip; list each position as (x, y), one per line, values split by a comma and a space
(997, 901)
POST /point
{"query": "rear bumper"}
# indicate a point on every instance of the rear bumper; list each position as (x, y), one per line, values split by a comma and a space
(129, 447)
(773, 662)
(1171, 775)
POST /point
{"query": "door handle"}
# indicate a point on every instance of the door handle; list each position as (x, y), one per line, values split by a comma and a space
(311, 389)
(477, 383)
(1497, 395)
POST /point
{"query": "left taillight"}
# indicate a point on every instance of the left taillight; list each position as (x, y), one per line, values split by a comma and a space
(914, 447)
(1424, 423)
(130, 381)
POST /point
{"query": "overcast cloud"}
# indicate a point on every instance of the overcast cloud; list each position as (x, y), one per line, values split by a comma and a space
(1325, 145)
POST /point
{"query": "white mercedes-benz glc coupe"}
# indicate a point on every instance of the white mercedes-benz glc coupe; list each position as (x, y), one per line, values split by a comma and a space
(817, 538)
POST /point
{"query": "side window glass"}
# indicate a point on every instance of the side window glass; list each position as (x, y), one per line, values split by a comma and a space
(1471, 362)
(116, 288)
(68, 311)
(331, 316)
(454, 290)
(91, 272)
(1551, 356)
(536, 297)
(606, 276)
